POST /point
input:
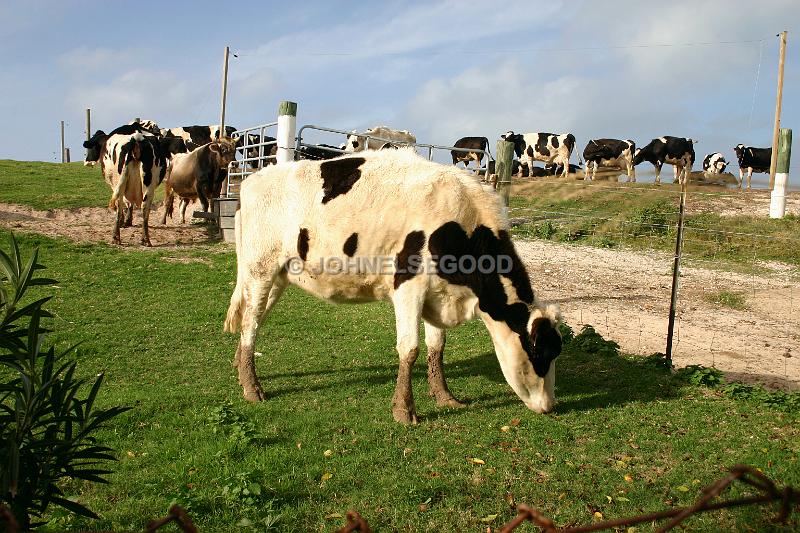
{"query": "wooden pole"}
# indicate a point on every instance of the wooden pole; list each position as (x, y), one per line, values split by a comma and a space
(503, 165)
(287, 125)
(66, 151)
(778, 100)
(63, 154)
(224, 92)
(676, 272)
(777, 204)
(88, 124)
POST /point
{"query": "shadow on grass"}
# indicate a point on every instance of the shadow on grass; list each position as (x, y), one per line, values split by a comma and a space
(583, 381)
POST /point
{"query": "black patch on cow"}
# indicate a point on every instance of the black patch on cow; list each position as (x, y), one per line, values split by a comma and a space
(408, 260)
(114, 153)
(555, 141)
(339, 176)
(350, 245)
(546, 344)
(302, 244)
(569, 142)
(452, 242)
(94, 146)
(541, 144)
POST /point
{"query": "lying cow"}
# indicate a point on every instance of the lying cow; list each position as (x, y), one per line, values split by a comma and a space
(472, 149)
(318, 152)
(547, 147)
(675, 151)
(197, 175)
(375, 138)
(752, 160)
(714, 163)
(294, 218)
(609, 153)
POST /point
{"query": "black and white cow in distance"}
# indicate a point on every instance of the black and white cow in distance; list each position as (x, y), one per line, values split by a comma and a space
(294, 218)
(375, 138)
(714, 163)
(547, 147)
(134, 165)
(197, 136)
(466, 154)
(318, 152)
(675, 151)
(609, 153)
(752, 160)
(150, 126)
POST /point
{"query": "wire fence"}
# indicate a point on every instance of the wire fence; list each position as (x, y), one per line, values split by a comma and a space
(739, 282)
(766, 493)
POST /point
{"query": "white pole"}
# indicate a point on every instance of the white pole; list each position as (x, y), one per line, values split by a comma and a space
(287, 126)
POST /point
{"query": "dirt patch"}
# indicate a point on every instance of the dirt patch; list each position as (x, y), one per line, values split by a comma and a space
(95, 224)
(625, 295)
(732, 203)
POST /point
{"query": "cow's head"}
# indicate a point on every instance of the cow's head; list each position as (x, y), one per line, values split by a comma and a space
(94, 148)
(638, 156)
(355, 143)
(224, 150)
(517, 139)
(739, 149)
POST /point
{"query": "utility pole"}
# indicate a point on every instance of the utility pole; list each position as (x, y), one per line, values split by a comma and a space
(776, 129)
(224, 92)
(63, 152)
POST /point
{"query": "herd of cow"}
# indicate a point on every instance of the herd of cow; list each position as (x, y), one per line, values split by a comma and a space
(193, 161)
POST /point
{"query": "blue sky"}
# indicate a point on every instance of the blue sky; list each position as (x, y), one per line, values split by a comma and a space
(439, 69)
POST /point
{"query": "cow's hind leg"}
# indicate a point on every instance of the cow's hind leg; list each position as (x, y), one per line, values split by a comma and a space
(437, 385)
(274, 295)
(128, 215)
(119, 217)
(257, 296)
(407, 311)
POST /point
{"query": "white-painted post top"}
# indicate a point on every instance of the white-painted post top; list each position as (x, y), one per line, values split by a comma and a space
(287, 129)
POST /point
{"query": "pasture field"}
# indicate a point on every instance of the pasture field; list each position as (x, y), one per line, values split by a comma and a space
(625, 438)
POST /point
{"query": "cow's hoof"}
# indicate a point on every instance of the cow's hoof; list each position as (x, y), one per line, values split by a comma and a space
(450, 402)
(116, 240)
(146, 242)
(405, 416)
(256, 395)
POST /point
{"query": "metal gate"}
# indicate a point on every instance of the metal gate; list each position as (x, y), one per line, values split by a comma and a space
(256, 148)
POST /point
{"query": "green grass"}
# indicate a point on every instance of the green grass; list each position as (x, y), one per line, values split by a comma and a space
(734, 300)
(625, 438)
(643, 216)
(52, 185)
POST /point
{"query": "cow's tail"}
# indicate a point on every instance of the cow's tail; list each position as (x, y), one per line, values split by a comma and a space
(233, 320)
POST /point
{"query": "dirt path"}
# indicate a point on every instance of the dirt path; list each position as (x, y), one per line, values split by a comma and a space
(94, 224)
(624, 294)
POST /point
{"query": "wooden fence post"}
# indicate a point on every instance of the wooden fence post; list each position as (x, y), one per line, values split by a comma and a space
(676, 271)
(777, 203)
(778, 100)
(504, 162)
(287, 126)
(63, 152)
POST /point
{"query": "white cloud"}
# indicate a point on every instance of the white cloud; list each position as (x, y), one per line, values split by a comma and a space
(88, 60)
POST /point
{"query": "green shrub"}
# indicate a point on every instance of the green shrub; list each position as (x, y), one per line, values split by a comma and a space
(700, 375)
(46, 428)
(651, 220)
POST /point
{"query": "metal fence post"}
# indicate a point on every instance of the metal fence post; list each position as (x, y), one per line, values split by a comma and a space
(777, 204)
(676, 272)
(504, 161)
(287, 125)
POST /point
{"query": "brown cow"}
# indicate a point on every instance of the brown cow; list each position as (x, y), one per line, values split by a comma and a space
(197, 175)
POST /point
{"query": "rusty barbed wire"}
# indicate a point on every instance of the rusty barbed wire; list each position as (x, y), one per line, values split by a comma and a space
(355, 522)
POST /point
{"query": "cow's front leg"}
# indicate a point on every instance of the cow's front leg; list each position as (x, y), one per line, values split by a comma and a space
(631, 173)
(407, 310)
(675, 172)
(274, 295)
(437, 385)
(749, 176)
(658, 172)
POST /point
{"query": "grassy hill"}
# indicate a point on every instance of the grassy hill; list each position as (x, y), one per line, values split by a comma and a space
(52, 185)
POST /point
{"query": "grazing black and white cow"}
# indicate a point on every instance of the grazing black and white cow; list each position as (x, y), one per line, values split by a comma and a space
(714, 163)
(675, 151)
(258, 150)
(375, 138)
(478, 144)
(197, 175)
(547, 147)
(752, 160)
(609, 153)
(318, 152)
(444, 255)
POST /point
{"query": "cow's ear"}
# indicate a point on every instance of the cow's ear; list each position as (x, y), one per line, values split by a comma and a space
(214, 147)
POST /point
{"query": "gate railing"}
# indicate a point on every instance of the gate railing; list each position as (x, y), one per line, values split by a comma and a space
(256, 152)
